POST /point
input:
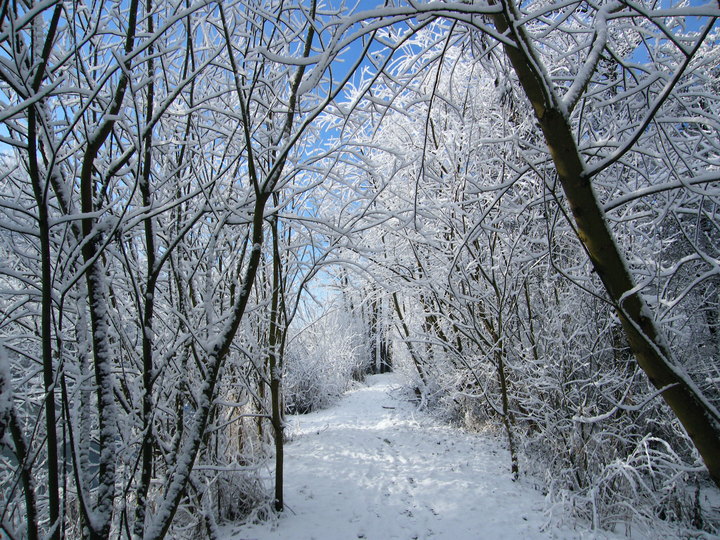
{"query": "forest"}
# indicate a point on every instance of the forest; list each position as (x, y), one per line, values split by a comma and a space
(217, 214)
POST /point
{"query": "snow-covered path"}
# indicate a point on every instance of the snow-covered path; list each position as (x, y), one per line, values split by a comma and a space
(373, 467)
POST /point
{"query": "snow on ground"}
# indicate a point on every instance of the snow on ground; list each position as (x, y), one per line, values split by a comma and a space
(373, 467)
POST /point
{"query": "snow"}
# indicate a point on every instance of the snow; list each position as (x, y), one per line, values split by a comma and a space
(374, 467)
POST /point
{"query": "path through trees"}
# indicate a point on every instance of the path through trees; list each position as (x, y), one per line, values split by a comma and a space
(374, 467)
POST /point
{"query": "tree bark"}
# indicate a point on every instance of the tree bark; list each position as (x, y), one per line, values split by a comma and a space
(275, 354)
(149, 302)
(40, 191)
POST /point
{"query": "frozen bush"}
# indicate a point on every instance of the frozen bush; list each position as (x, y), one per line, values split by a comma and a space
(320, 363)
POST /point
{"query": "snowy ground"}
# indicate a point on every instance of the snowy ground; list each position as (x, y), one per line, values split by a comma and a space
(373, 467)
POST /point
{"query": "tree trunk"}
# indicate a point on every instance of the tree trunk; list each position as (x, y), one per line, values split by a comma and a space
(275, 352)
(25, 461)
(697, 416)
(148, 446)
(411, 348)
(40, 191)
(506, 415)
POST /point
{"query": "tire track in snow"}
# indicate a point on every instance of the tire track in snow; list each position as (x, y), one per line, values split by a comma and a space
(373, 467)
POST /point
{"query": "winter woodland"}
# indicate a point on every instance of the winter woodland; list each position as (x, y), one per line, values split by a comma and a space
(217, 214)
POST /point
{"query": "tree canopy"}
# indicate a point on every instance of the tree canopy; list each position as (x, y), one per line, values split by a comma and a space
(515, 202)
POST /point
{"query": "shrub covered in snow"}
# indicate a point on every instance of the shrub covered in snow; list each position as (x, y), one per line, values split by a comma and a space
(321, 361)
